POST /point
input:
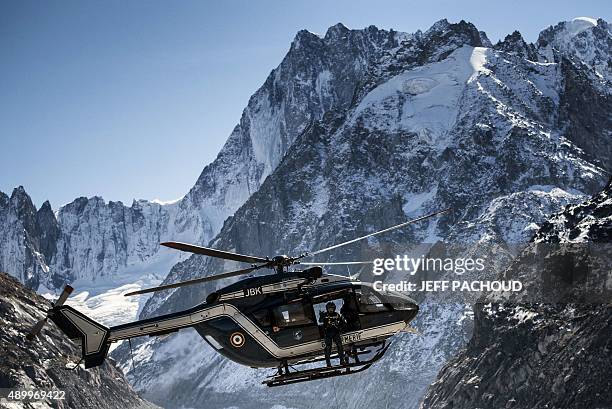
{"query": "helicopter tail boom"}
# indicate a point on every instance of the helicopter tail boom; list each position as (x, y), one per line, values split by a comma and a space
(95, 338)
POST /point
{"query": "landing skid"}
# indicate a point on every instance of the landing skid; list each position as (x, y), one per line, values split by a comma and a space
(323, 372)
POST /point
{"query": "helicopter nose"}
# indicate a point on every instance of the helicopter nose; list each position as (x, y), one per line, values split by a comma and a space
(407, 314)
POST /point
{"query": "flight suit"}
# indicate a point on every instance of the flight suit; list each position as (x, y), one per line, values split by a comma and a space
(350, 314)
(332, 325)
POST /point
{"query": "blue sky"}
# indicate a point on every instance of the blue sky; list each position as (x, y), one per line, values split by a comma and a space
(131, 99)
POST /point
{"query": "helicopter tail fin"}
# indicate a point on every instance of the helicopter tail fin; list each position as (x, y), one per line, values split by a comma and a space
(92, 336)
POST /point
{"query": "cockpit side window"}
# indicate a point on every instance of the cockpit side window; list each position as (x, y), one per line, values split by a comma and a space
(369, 301)
(295, 314)
(263, 317)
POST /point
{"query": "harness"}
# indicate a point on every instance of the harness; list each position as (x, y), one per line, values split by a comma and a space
(331, 321)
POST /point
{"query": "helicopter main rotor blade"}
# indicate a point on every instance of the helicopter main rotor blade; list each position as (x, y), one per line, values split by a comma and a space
(335, 246)
(197, 280)
(339, 263)
(191, 248)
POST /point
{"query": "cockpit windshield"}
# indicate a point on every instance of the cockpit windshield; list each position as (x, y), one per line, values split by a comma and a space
(369, 300)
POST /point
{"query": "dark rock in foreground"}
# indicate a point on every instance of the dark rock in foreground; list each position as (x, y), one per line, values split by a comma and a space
(544, 355)
(41, 364)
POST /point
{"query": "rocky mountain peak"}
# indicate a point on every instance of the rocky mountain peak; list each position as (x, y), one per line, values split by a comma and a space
(77, 206)
(28, 237)
(49, 231)
(19, 191)
(445, 34)
(485, 39)
(305, 39)
(439, 26)
(583, 39)
(21, 200)
(515, 44)
(336, 32)
(46, 207)
(421, 48)
(25, 215)
(565, 30)
(317, 75)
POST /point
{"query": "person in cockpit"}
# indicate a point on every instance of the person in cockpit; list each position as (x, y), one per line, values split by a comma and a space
(350, 313)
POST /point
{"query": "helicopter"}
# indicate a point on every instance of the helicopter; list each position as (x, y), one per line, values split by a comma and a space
(264, 321)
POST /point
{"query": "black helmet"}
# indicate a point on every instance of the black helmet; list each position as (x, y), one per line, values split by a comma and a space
(330, 305)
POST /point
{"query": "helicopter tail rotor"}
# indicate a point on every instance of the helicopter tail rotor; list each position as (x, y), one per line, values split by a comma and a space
(36, 328)
(91, 335)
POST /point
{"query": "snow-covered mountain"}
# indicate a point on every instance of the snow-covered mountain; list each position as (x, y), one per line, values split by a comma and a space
(91, 239)
(498, 133)
(109, 248)
(354, 131)
(549, 346)
(585, 39)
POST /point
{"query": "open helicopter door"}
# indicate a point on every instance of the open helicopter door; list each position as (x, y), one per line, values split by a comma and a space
(346, 304)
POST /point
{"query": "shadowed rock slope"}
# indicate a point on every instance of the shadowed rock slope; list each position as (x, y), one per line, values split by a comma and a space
(544, 355)
(41, 364)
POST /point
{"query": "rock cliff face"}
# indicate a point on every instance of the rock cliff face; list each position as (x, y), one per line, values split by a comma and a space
(41, 364)
(29, 237)
(544, 355)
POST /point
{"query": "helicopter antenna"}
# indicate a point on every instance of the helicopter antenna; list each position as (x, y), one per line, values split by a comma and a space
(335, 246)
